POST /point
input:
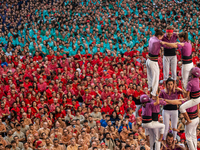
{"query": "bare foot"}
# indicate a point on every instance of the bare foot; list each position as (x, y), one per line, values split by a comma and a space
(160, 139)
(188, 122)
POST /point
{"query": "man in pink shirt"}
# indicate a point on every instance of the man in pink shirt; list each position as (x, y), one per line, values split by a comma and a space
(105, 93)
(116, 95)
(54, 105)
(42, 85)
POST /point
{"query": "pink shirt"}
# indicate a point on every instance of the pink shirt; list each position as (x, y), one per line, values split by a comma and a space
(53, 107)
(114, 96)
(42, 87)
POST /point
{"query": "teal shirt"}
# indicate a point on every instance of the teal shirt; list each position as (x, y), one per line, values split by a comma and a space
(140, 49)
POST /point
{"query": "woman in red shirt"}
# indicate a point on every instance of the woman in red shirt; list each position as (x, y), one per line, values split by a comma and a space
(35, 88)
(64, 102)
(51, 116)
(37, 99)
(34, 108)
(14, 116)
(58, 113)
(105, 108)
(28, 100)
(59, 99)
(62, 110)
(69, 97)
(23, 105)
(20, 113)
(18, 102)
(46, 109)
(30, 114)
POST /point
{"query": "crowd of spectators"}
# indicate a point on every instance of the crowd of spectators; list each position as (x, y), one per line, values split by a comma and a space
(72, 71)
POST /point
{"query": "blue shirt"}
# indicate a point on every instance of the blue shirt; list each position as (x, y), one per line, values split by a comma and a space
(103, 123)
(129, 126)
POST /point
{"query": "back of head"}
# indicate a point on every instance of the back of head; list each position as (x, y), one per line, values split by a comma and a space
(144, 98)
(183, 35)
(158, 32)
(195, 72)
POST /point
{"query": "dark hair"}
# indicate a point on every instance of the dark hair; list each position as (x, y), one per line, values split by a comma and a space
(184, 35)
(170, 28)
(170, 135)
(169, 80)
(158, 32)
(127, 146)
(142, 148)
(13, 142)
(198, 65)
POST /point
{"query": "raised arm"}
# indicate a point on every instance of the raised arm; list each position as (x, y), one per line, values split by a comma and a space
(157, 101)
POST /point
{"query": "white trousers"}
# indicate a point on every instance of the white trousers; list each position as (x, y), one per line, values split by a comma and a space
(185, 73)
(173, 115)
(137, 109)
(169, 61)
(154, 125)
(190, 134)
(154, 135)
(153, 73)
(188, 104)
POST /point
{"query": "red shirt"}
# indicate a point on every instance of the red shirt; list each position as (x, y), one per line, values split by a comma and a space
(94, 61)
(114, 96)
(35, 58)
(50, 57)
(195, 59)
(130, 91)
(129, 53)
(134, 53)
(131, 106)
(4, 111)
(49, 93)
(87, 98)
(42, 87)
(144, 54)
(136, 94)
(105, 109)
(15, 109)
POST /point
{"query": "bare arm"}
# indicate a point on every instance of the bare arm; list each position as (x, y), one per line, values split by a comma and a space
(188, 95)
(157, 101)
(172, 45)
(173, 102)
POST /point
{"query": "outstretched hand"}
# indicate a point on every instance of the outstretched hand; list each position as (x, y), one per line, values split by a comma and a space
(182, 44)
(162, 42)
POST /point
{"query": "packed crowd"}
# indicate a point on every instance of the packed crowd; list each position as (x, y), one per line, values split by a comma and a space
(72, 72)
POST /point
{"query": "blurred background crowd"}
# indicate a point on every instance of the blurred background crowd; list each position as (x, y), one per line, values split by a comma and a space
(72, 72)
